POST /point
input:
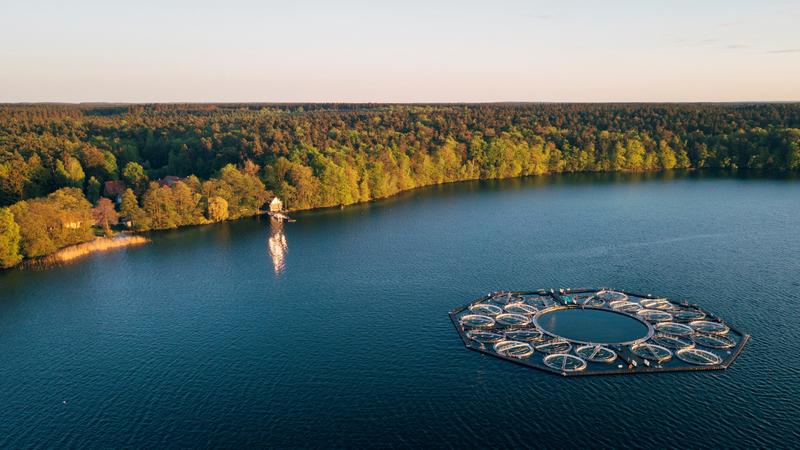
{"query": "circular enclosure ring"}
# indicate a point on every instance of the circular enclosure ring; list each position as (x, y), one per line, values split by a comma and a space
(672, 342)
(713, 341)
(652, 352)
(596, 353)
(513, 349)
(564, 362)
(707, 327)
(520, 308)
(512, 320)
(540, 302)
(675, 329)
(590, 301)
(476, 321)
(484, 336)
(698, 357)
(611, 296)
(555, 346)
(654, 315)
(656, 303)
(485, 309)
(525, 335)
(688, 315)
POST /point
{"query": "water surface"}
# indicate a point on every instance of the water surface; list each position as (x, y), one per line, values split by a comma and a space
(333, 331)
(593, 325)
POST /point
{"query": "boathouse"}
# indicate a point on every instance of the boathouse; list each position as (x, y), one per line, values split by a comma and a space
(276, 205)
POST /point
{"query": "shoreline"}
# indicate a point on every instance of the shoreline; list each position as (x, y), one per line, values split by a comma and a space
(128, 239)
(77, 251)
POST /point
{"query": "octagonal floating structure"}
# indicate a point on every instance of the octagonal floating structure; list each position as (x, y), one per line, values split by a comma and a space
(597, 332)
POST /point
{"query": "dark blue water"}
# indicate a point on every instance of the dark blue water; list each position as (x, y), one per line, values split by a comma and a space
(335, 332)
(593, 325)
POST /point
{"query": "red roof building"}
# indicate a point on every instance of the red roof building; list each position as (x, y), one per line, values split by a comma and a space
(114, 189)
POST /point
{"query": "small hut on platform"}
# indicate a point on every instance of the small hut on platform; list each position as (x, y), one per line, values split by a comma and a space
(276, 205)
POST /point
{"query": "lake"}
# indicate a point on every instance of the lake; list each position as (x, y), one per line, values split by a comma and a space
(333, 331)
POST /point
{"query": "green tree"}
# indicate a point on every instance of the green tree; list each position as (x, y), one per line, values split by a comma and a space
(187, 204)
(69, 172)
(159, 206)
(130, 209)
(93, 190)
(47, 224)
(9, 239)
(666, 156)
(793, 149)
(134, 176)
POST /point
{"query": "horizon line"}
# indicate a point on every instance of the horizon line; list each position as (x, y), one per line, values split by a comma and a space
(317, 102)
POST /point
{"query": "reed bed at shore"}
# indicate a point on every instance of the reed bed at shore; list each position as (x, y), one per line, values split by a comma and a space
(100, 244)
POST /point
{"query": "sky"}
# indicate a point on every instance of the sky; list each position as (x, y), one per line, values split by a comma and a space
(400, 51)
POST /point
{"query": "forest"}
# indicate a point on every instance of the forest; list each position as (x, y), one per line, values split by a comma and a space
(70, 172)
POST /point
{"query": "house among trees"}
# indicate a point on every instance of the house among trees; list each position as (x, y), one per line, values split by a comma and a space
(276, 205)
(126, 222)
(169, 180)
(72, 224)
(114, 189)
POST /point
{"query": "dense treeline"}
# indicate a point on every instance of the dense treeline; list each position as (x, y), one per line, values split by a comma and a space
(223, 159)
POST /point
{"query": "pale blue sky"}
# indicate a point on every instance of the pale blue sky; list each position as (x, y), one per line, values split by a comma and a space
(402, 51)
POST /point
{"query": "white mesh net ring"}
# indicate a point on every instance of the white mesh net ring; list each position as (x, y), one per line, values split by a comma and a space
(688, 315)
(555, 346)
(510, 320)
(611, 296)
(713, 341)
(652, 352)
(525, 335)
(485, 309)
(673, 328)
(655, 315)
(656, 303)
(596, 353)
(476, 321)
(672, 342)
(698, 357)
(520, 308)
(513, 349)
(564, 362)
(707, 327)
(484, 336)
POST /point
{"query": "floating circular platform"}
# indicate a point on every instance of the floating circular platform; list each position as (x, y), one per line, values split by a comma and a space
(525, 335)
(698, 357)
(476, 321)
(713, 341)
(674, 328)
(597, 331)
(654, 315)
(672, 342)
(688, 315)
(555, 346)
(484, 336)
(586, 325)
(513, 349)
(485, 309)
(564, 362)
(704, 326)
(520, 308)
(652, 352)
(596, 353)
(511, 320)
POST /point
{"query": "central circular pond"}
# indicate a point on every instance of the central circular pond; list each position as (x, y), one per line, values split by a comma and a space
(584, 325)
